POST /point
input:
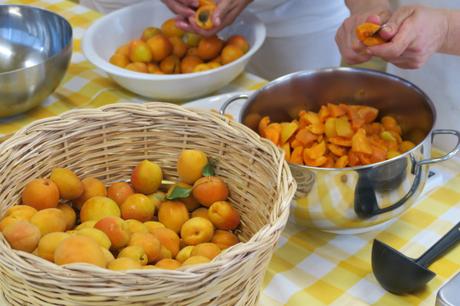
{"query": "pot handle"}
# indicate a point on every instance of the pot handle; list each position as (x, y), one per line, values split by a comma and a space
(227, 103)
(447, 156)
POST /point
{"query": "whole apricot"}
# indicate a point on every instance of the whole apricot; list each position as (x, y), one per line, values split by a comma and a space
(79, 249)
(97, 235)
(239, 41)
(151, 225)
(22, 235)
(87, 224)
(160, 47)
(123, 50)
(164, 253)
(91, 187)
(149, 32)
(23, 212)
(49, 220)
(154, 197)
(124, 263)
(69, 185)
(192, 52)
(202, 67)
(168, 238)
(146, 177)
(70, 216)
(119, 191)
(170, 65)
(231, 53)
(139, 207)
(149, 243)
(194, 260)
(134, 252)
(168, 263)
(197, 230)
(189, 63)
(108, 255)
(41, 194)
(116, 230)
(173, 214)
(137, 67)
(224, 239)
(200, 212)
(190, 165)
(207, 249)
(139, 51)
(210, 189)
(184, 253)
(179, 47)
(170, 29)
(99, 207)
(9, 220)
(209, 47)
(153, 68)
(136, 226)
(48, 244)
(191, 39)
(214, 65)
(223, 215)
(189, 201)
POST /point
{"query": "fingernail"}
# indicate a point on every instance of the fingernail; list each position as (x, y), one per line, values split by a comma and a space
(386, 28)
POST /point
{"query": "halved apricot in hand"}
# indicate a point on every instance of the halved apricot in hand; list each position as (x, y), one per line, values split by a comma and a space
(367, 33)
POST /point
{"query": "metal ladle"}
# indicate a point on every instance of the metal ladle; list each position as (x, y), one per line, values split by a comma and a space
(400, 274)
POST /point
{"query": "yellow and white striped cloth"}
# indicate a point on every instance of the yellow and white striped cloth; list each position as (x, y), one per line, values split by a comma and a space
(308, 267)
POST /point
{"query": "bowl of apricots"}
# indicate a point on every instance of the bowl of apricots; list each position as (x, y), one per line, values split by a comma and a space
(358, 142)
(141, 49)
(123, 205)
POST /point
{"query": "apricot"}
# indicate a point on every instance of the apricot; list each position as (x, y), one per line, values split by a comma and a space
(149, 267)
(139, 51)
(119, 191)
(116, 231)
(170, 65)
(139, 207)
(223, 215)
(197, 230)
(168, 238)
(97, 235)
(202, 67)
(184, 253)
(69, 185)
(23, 212)
(108, 255)
(170, 29)
(134, 252)
(189, 63)
(168, 263)
(200, 212)
(164, 253)
(70, 216)
(22, 235)
(137, 67)
(192, 52)
(209, 47)
(179, 46)
(136, 226)
(203, 16)
(214, 65)
(160, 46)
(224, 239)
(154, 197)
(190, 165)
(41, 194)
(153, 68)
(79, 249)
(146, 177)
(87, 224)
(48, 244)
(149, 32)
(239, 41)
(231, 53)
(91, 187)
(217, 60)
(206, 249)
(173, 214)
(99, 207)
(210, 189)
(123, 50)
(151, 225)
(9, 220)
(124, 263)
(194, 260)
(189, 201)
(191, 39)
(149, 243)
(49, 220)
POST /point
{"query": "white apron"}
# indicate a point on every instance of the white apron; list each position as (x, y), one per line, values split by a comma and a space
(439, 78)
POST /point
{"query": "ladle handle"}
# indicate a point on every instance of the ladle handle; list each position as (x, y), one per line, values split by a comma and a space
(444, 244)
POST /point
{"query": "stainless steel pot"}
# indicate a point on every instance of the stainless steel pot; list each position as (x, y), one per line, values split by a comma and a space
(354, 199)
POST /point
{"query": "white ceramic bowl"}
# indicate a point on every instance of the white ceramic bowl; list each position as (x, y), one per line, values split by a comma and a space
(117, 28)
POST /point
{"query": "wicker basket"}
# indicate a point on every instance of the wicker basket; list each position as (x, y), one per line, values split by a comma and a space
(107, 143)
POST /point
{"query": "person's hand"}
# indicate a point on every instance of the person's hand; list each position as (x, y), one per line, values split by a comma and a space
(183, 8)
(353, 51)
(414, 34)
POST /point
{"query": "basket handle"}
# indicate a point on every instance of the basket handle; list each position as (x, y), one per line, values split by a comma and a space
(227, 103)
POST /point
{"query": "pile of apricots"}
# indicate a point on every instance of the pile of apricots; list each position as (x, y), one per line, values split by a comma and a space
(337, 136)
(149, 223)
(169, 50)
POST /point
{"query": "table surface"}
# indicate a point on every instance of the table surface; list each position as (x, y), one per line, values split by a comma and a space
(308, 267)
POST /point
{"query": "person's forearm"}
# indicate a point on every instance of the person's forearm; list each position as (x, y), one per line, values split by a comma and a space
(451, 42)
(357, 6)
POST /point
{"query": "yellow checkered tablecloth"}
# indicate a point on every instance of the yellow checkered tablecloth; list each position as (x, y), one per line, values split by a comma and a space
(308, 267)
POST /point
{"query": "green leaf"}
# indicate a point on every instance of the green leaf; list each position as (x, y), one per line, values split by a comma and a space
(179, 193)
(208, 170)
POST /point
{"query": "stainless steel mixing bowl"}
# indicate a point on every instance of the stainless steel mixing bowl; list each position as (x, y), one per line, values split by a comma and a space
(354, 199)
(35, 49)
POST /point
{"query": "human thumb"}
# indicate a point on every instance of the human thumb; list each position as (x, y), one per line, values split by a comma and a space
(391, 27)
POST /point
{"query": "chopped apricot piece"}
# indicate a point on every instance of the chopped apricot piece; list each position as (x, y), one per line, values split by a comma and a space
(335, 110)
(287, 130)
(343, 127)
(341, 162)
(341, 141)
(273, 132)
(318, 162)
(297, 155)
(337, 150)
(329, 127)
(263, 123)
(305, 137)
(316, 151)
(360, 142)
(287, 151)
